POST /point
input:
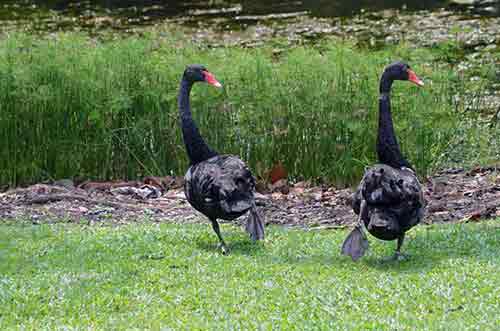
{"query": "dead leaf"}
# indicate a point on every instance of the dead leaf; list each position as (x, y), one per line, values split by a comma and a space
(277, 172)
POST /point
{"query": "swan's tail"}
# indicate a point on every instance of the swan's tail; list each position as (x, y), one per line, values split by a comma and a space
(356, 244)
(255, 224)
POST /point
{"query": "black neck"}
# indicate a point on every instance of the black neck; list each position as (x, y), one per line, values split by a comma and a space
(388, 150)
(197, 149)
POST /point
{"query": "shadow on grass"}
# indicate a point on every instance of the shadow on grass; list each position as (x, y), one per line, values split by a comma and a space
(236, 244)
(432, 245)
(426, 248)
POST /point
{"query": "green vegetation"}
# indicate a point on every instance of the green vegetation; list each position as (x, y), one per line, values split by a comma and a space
(72, 106)
(73, 277)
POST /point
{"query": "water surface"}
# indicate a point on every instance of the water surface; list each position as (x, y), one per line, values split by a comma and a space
(237, 12)
(55, 15)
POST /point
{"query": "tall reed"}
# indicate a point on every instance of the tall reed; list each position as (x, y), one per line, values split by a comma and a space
(70, 106)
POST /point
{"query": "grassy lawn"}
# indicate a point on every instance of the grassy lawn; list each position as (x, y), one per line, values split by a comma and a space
(171, 277)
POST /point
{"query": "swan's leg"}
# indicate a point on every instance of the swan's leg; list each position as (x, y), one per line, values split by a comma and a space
(398, 256)
(222, 244)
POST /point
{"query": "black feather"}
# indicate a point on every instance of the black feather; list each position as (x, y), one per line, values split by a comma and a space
(394, 201)
(220, 187)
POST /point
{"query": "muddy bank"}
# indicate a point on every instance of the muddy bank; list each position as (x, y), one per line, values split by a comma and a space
(422, 28)
(467, 26)
(452, 195)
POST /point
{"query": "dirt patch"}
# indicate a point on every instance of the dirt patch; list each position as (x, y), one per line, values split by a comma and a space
(451, 195)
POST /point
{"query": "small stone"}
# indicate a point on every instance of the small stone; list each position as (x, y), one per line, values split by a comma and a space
(67, 183)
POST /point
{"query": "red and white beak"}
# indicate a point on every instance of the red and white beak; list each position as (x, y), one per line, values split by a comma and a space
(412, 77)
(210, 79)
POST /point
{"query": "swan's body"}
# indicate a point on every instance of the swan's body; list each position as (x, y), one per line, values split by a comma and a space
(218, 186)
(389, 198)
(394, 201)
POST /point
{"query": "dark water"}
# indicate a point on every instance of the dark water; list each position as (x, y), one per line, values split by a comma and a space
(320, 8)
(215, 12)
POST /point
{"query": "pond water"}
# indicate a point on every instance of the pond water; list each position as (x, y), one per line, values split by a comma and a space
(229, 13)
(157, 8)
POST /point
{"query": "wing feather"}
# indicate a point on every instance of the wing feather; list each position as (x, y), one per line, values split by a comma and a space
(220, 185)
(394, 197)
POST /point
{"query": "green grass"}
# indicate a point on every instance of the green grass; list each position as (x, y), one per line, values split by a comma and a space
(73, 106)
(171, 277)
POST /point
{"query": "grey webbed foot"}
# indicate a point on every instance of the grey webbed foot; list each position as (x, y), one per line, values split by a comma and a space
(356, 244)
(255, 224)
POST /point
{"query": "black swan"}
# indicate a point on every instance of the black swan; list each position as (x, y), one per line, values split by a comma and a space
(218, 186)
(389, 199)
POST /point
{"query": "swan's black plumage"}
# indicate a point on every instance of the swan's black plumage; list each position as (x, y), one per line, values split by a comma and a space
(219, 186)
(394, 201)
(389, 200)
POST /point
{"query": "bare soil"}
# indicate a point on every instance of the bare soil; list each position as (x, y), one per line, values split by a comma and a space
(452, 195)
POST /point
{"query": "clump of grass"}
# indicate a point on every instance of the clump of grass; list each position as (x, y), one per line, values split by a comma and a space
(58, 277)
(71, 106)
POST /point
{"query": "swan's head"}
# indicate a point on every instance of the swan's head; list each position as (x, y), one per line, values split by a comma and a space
(198, 73)
(402, 71)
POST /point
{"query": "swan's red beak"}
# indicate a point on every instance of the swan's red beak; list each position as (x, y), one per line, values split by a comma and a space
(210, 79)
(412, 77)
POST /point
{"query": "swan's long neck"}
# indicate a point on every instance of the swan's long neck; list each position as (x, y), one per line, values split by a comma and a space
(197, 149)
(388, 150)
